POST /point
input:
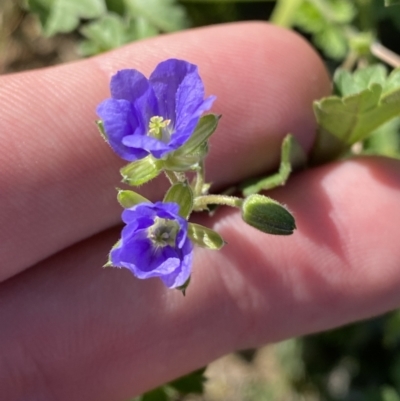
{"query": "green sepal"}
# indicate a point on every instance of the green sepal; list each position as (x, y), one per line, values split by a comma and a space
(186, 161)
(196, 148)
(141, 171)
(182, 194)
(205, 237)
(109, 263)
(293, 157)
(204, 129)
(267, 215)
(127, 198)
(184, 286)
(100, 126)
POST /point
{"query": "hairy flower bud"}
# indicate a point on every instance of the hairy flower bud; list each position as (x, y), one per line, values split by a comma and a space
(267, 215)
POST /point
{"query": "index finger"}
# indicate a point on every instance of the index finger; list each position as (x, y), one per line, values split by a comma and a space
(58, 178)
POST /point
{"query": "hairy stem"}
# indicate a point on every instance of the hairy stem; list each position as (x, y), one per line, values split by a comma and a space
(202, 202)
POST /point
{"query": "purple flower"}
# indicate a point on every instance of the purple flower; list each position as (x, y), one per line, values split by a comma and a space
(156, 115)
(154, 243)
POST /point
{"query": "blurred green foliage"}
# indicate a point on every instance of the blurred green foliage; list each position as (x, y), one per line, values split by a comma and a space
(360, 362)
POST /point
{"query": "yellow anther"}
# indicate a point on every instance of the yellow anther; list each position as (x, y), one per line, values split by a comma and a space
(156, 126)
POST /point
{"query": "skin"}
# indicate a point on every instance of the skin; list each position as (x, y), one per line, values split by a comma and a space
(73, 331)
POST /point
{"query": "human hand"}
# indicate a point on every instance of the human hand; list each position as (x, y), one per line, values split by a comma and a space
(73, 331)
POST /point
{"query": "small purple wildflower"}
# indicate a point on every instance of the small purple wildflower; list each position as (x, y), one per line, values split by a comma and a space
(154, 243)
(156, 115)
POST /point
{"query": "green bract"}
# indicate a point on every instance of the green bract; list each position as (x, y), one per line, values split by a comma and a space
(205, 237)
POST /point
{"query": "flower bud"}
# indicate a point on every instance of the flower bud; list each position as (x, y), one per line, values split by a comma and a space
(267, 215)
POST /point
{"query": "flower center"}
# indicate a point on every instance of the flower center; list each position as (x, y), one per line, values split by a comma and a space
(158, 128)
(163, 232)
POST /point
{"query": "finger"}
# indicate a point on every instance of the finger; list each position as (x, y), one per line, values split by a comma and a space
(58, 177)
(104, 335)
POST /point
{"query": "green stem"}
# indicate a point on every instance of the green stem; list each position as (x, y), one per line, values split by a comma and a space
(200, 173)
(202, 202)
(284, 12)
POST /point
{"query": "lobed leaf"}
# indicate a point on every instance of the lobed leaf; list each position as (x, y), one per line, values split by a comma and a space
(326, 20)
(61, 16)
(106, 33)
(165, 15)
(370, 100)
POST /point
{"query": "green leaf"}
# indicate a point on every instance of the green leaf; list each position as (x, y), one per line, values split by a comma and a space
(205, 237)
(267, 215)
(327, 21)
(347, 83)
(143, 28)
(192, 383)
(292, 157)
(182, 194)
(385, 140)
(343, 121)
(342, 11)
(141, 171)
(60, 16)
(127, 198)
(106, 33)
(333, 42)
(116, 6)
(165, 15)
(309, 18)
